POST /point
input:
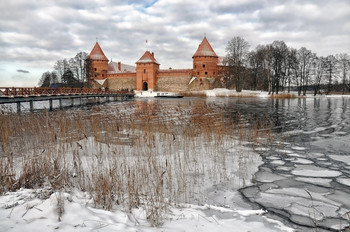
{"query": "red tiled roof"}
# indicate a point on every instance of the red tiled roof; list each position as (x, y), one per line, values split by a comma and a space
(205, 49)
(97, 53)
(147, 58)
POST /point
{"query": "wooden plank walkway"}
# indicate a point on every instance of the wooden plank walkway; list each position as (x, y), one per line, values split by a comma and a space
(20, 95)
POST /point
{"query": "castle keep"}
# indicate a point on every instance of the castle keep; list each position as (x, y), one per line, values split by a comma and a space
(146, 74)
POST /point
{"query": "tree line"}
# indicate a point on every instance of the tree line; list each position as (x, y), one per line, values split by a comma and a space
(271, 67)
(276, 67)
(71, 72)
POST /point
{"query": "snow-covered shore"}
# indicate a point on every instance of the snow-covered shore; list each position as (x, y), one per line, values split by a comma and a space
(30, 210)
(222, 92)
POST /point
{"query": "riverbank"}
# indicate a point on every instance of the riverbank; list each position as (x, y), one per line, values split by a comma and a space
(222, 92)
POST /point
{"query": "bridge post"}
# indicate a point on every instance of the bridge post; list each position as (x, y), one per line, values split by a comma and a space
(81, 100)
(95, 99)
(71, 102)
(18, 107)
(60, 101)
(31, 105)
(50, 104)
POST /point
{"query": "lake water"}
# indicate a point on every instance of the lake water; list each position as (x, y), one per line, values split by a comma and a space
(305, 175)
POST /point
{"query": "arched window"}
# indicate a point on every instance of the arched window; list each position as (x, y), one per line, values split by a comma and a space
(203, 65)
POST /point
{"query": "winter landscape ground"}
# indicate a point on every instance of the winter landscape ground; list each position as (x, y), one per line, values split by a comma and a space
(196, 164)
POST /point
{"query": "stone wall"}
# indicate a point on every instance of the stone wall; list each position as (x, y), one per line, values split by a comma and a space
(173, 84)
(204, 83)
(121, 83)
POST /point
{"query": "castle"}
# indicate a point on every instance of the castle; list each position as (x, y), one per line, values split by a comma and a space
(146, 75)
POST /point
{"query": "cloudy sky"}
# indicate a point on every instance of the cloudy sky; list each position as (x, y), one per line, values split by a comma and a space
(36, 33)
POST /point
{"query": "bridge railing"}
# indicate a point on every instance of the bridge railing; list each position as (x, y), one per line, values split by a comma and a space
(18, 92)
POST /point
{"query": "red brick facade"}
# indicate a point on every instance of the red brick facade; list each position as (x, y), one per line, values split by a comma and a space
(147, 72)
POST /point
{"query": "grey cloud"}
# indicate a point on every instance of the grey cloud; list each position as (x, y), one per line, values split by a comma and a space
(22, 71)
(236, 7)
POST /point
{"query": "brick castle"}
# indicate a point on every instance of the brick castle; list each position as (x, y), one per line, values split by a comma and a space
(146, 75)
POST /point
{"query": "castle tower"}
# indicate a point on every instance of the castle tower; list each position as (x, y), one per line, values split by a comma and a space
(146, 71)
(205, 61)
(99, 63)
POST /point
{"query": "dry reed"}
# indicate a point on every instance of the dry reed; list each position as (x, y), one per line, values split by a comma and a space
(128, 157)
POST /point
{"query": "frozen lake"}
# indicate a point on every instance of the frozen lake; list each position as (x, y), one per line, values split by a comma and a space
(304, 177)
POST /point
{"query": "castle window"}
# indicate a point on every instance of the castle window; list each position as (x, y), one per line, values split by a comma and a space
(144, 71)
(195, 66)
(95, 75)
(197, 73)
(203, 65)
(206, 73)
(213, 73)
(95, 69)
(103, 75)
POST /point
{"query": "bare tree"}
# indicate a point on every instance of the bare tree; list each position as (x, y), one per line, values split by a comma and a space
(344, 63)
(319, 68)
(77, 66)
(279, 57)
(237, 51)
(305, 58)
(292, 62)
(61, 66)
(48, 79)
(330, 69)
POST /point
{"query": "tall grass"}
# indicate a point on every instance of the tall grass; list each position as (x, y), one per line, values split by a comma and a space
(129, 157)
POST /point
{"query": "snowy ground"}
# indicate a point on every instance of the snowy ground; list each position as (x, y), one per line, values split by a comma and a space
(29, 210)
(222, 92)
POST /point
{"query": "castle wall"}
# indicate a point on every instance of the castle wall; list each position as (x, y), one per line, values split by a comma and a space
(175, 80)
(204, 83)
(121, 83)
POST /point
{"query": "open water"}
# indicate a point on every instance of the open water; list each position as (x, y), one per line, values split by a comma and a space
(305, 177)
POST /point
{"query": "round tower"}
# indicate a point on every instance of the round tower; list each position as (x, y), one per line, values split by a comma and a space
(205, 61)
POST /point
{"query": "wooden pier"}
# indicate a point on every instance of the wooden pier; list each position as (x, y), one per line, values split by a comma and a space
(20, 95)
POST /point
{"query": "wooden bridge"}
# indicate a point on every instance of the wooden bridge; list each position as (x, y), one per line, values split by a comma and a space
(20, 95)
